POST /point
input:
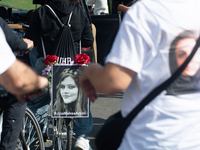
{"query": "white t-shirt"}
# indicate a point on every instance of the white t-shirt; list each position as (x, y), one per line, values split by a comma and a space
(145, 44)
(7, 58)
(101, 6)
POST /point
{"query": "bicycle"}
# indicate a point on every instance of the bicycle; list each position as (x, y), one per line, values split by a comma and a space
(32, 140)
(31, 132)
(63, 120)
(30, 136)
(62, 131)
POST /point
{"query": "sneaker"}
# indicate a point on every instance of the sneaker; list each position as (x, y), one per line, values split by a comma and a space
(82, 144)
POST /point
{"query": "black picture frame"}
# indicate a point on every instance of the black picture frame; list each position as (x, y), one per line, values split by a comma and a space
(63, 88)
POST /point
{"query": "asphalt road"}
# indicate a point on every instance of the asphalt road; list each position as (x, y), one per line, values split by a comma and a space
(101, 109)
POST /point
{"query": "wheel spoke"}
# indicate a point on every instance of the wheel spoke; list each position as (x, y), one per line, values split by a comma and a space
(64, 133)
(31, 133)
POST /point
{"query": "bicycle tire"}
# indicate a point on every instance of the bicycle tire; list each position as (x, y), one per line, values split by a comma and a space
(32, 128)
(65, 131)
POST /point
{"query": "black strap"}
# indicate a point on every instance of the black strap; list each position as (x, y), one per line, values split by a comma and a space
(55, 15)
(85, 8)
(161, 87)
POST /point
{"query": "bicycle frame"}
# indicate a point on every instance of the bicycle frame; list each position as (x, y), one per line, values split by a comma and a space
(58, 132)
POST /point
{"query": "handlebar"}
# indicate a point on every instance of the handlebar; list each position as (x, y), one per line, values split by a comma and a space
(44, 90)
(21, 52)
(8, 99)
(29, 49)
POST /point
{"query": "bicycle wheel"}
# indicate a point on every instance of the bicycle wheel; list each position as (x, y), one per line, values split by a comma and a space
(65, 133)
(31, 133)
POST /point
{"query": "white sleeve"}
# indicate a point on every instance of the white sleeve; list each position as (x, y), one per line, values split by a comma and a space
(133, 41)
(7, 58)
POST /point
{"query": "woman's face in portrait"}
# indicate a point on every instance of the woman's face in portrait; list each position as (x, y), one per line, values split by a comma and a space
(68, 90)
(183, 49)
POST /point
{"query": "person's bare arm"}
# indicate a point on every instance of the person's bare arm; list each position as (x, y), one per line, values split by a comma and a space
(122, 8)
(19, 79)
(108, 80)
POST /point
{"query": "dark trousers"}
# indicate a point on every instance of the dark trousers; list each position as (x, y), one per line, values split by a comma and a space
(12, 123)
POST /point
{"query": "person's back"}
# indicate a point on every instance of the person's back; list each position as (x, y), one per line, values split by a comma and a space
(161, 34)
(46, 25)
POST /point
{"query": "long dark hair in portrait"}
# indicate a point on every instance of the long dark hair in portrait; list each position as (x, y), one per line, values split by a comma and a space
(80, 104)
(183, 84)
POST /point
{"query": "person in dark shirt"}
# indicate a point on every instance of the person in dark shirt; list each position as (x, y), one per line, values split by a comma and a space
(18, 79)
(45, 25)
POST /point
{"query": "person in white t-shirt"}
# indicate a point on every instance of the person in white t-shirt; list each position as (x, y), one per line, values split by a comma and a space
(100, 8)
(140, 60)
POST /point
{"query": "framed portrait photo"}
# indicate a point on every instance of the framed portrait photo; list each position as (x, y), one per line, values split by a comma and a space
(68, 98)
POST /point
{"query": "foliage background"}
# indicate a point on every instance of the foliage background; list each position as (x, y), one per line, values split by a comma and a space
(19, 4)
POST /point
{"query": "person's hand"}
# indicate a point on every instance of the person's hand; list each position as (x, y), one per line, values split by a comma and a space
(122, 8)
(27, 97)
(42, 89)
(29, 43)
(25, 52)
(18, 52)
(87, 87)
(126, 9)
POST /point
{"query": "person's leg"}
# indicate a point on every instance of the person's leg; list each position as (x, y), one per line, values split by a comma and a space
(83, 126)
(12, 123)
(33, 56)
(39, 65)
(39, 106)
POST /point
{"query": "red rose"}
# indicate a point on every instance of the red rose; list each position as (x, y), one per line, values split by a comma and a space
(50, 59)
(82, 59)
